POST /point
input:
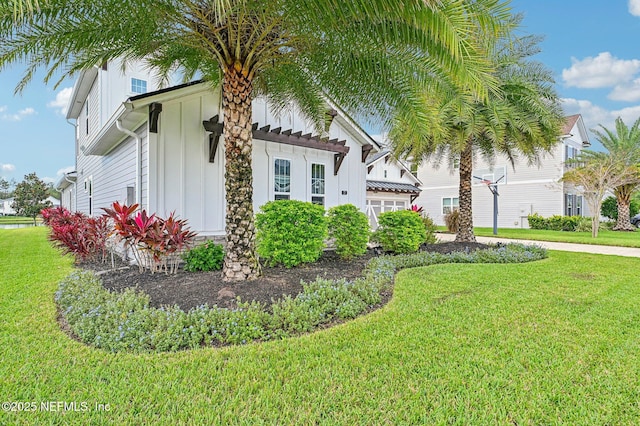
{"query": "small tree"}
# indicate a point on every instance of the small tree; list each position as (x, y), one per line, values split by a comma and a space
(30, 197)
(596, 174)
(6, 187)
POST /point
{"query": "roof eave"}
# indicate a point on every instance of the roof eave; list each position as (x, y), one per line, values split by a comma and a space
(80, 92)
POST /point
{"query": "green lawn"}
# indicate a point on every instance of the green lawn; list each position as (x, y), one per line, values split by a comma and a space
(605, 238)
(550, 342)
(16, 220)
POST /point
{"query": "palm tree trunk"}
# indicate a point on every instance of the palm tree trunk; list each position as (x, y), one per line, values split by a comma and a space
(241, 261)
(465, 228)
(623, 199)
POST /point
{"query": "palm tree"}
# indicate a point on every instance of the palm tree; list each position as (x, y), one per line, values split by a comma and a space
(623, 145)
(521, 119)
(364, 55)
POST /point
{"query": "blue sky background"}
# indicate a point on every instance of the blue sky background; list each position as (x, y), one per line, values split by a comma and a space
(590, 45)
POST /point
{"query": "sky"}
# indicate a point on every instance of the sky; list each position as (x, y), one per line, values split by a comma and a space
(590, 45)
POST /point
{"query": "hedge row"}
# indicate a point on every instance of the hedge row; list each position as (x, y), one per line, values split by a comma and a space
(555, 222)
(125, 321)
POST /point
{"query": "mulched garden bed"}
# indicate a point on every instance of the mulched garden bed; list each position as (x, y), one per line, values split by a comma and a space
(191, 289)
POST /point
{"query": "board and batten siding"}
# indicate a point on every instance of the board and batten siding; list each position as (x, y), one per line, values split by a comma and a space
(182, 180)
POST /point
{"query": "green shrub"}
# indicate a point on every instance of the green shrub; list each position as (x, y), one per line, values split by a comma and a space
(452, 221)
(584, 225)
(536, 221)
(554, 223)
(350, 229)
(401, 231)
(290, 232)
(125, 321)
(206, 257)
(609, 208)
(430, 228)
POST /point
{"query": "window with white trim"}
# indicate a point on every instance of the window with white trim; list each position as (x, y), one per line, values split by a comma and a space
(317, 183)
(89, 187)
(282, 179)
(450, 204)
(86, 116)
(138, 86)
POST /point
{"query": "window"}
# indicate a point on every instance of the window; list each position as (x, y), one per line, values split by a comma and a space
(579, 205)
(89, 186)
(138, 86)
(569, 205)
(385, 173)
(317, 184)
(450, 204)
(573, 205)
(86, 116)
(282, 179)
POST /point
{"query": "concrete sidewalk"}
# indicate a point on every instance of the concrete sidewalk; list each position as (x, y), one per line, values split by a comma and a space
(582, 248)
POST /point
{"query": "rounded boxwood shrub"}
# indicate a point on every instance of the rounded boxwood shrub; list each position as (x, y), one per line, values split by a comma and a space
(290, 232)
(350, 229)
(401, 231)
(205, 257)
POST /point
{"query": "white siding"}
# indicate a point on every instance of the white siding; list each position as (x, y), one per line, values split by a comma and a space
(176, 175)
(528, 189)
(182, 180)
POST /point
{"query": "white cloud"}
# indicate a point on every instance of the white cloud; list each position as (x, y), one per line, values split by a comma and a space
(605, 70)
(7, 167)
(48, 179)
(629, 92)
(634, 7)
(3, 108)
(19, 115)
(629, 115)
(591, 114)
(61, 102)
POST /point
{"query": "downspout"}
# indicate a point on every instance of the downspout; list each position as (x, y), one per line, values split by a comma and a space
(138, 140)
(73, 185)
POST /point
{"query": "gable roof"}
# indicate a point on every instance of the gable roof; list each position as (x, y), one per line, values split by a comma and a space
(378, 156)
(576, 122)
(569, 122)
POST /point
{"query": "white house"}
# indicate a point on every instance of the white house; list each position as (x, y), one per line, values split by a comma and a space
(391, 185)
(5, 207)
(523, 189)
(163, 148)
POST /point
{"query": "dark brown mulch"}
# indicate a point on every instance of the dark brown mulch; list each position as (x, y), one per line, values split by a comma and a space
(191, 289)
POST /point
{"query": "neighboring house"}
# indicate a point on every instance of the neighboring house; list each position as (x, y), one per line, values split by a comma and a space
(524, 189)
(7, 210)
(163, 149)
(390, 186)
(5, 207)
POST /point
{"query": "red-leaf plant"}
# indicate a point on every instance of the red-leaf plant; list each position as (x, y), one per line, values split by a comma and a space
(156, 243)
(415, 208)
(84, 237)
